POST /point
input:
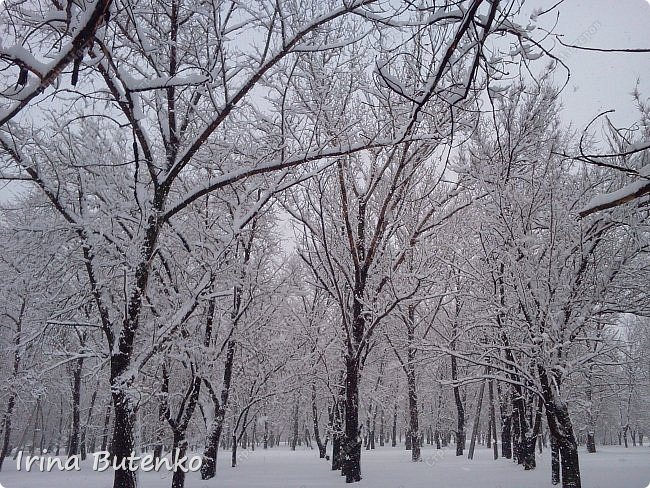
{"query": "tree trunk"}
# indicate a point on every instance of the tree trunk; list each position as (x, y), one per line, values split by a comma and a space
(84, 431)
(59, 436)
(266, 433)
(516, 436)
(6, 428)
(337, 435)
(11, 403)
(591, 442)
(178, 451)
(123, 444)
(493, 420)
(233, 457)
(460, 410)
(73, 447)
(414, 424)
(294, 440)
(372, 430)
(107, 424)
(254, 435)
(559, 424)
(394, 438)
(555, 462)
(591, 417)
(531, 438)
(209, 465)
(477, 418)
(460, 426)
(352, 441)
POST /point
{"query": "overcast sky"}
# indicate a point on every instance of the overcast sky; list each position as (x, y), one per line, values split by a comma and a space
(599, 81)
(603, 81)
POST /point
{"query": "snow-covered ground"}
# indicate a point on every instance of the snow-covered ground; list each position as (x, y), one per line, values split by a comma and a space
(610, 467)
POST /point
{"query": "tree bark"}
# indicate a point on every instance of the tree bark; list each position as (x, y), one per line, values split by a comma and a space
(84, 431)
(294, 440)
(178, 451)
(209, 465)
(107, 423)
(460, 410)
(233, 454)
(493, 420)
(314, 411)
(266, 433)
(414, 427)
(559, 424)
(531, 438)
(352, 441)
(555, 462)
(394, 438)
(11, 403)
(123, 444)
(477, 418)
(506, 424)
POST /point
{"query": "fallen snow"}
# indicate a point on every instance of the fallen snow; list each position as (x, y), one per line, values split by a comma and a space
(383, 468)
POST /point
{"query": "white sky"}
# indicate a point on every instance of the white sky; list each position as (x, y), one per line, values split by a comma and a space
(603, 81)
(599, 81)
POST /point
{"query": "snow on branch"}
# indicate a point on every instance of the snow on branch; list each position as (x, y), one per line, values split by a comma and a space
(46, 74)
(629, 192)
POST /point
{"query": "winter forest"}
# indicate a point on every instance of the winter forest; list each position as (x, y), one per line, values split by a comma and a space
(300, 243)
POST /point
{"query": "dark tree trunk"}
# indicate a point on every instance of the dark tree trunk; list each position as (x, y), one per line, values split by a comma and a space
(6, 428)
(591, 442)
(209, 465)
(122, 444)
(460, 426)
(180, 422)
(561, 429)
(11, 403)
(591, 417)
(337, 428)
(294, 439)
(414, 425)
(516, 436)
(73, 447)
(372, 430)
(477, 418)
(493, 420)
(233, 457)
(555, 462)
(531, 438)
(352, 441)
(506, 435)
(266, 433)
(254, 435)
(107, 424)
(394, 432)
(59, 436)
(460, 410)
(158, 448)
(84, 431)
(178, 451)
(438, 433)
